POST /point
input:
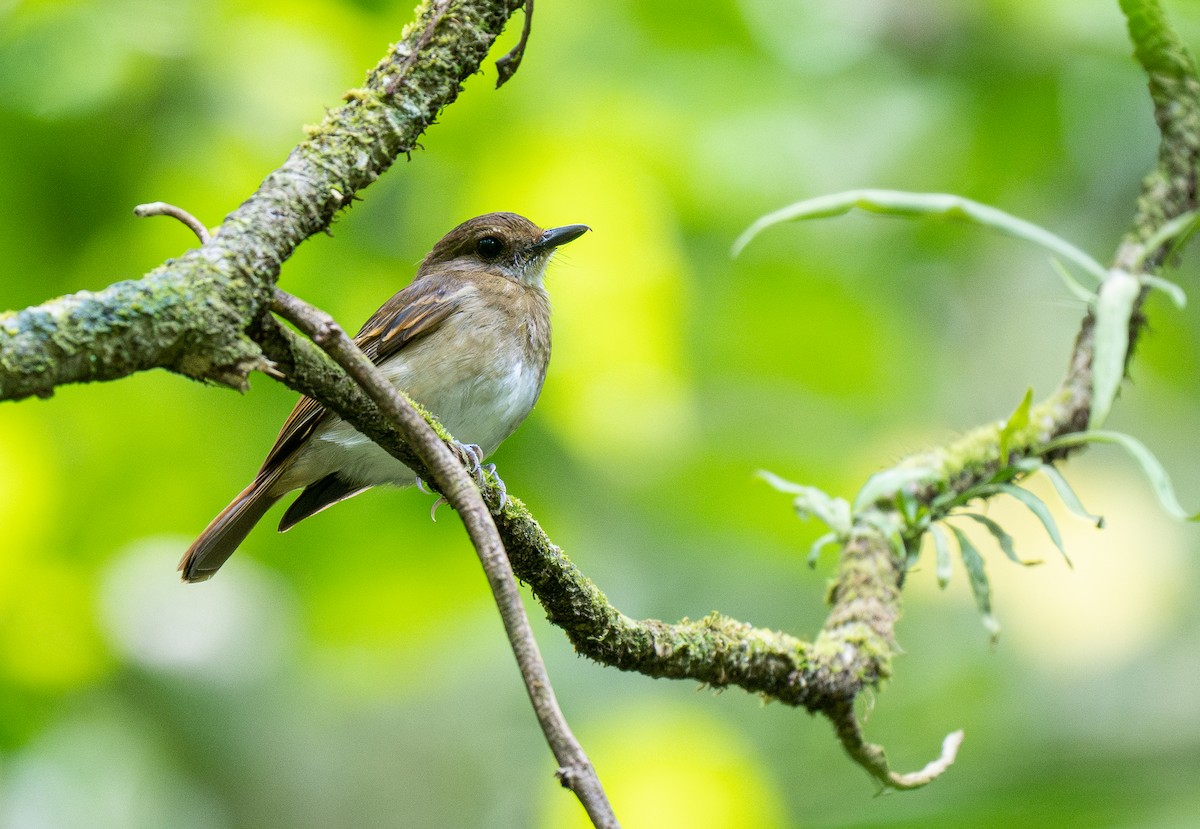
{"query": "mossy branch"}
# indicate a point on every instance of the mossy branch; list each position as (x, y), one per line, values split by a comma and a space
(190, 315)
(204, 316)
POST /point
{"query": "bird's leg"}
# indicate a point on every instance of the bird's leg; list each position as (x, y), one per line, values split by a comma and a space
(490, 469)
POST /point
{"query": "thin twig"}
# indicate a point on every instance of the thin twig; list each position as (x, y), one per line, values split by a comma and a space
(575, 769)
(872, 757)
(507, 66)
(161, 208)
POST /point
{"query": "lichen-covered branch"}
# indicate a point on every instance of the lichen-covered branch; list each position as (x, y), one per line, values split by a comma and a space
(854, 649)
(203, 316)
(190, 315)
(1168, 192)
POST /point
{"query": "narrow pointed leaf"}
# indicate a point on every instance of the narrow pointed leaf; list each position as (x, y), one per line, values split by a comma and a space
(899, 203)
(1007, 546)
(1073, 284)
(1038, 507)
(941, 546)
(908, 506)
(1017, 421)
(814, 552)
(973, 563)
(1159, 480)
(1113, 309)
(1167, 287)
(1069, 498)
(782, 484)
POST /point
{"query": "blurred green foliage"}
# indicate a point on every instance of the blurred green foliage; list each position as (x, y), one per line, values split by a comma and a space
(353, 673)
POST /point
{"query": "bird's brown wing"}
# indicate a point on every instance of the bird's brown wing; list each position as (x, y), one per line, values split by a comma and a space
(410, 314)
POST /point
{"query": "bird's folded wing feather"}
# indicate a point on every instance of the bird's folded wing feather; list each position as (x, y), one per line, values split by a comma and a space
(409, 315)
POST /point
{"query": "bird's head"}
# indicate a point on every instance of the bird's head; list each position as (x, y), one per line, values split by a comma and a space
(503, 243)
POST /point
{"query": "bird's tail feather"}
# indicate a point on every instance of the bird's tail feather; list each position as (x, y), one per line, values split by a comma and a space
(225, 532)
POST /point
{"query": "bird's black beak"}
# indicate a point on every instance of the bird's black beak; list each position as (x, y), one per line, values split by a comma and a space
(556, 236)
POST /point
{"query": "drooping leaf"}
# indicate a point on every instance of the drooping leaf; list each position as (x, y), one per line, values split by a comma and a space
(1073, 284)
(1157, 475)
(973, 563)
(1002, 537)
(1038, 507)
(1167, 287)
(1069, 498)
(814, 552)
(941, 546)
(898, 203)
(1114, 305)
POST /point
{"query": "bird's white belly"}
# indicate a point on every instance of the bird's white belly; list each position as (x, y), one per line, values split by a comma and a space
(483, 409)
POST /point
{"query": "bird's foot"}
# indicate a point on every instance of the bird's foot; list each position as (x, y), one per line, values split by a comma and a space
(471, 457)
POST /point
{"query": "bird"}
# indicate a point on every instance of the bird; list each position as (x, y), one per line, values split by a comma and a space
(468, 339)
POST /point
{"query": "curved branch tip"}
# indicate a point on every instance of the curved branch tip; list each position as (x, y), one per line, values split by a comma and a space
(933, 769)
(162, 208)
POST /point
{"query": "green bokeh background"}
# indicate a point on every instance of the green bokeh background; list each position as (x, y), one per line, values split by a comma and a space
(353, 673)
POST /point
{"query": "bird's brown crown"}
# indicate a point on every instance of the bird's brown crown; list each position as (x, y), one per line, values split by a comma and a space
(494, 240)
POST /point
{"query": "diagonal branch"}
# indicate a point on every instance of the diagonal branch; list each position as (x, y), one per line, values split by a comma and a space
(190, 314)
(575, 770)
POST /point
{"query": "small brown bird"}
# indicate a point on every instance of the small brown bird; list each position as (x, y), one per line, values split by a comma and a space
(469, 339)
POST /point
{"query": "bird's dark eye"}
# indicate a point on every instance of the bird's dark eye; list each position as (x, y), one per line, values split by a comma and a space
(489, 247)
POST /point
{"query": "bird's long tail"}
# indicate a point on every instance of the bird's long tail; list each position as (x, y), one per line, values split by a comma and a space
(225, 532)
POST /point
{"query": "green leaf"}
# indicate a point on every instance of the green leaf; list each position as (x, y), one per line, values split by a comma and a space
(1177, 231)
(1017, 421)
(1002, 538)
(941, 546)
(898, 203)
(1073, 284)
(1159, 480)
(1038, 507)
(908, 506)
(973, 562)
(889, 482)
(810, 501)
(1069, 498)
(1167, 287)
(814, 552)
(1114, 306)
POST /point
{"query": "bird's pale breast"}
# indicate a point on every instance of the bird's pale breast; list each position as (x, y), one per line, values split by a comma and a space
(478, 372)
